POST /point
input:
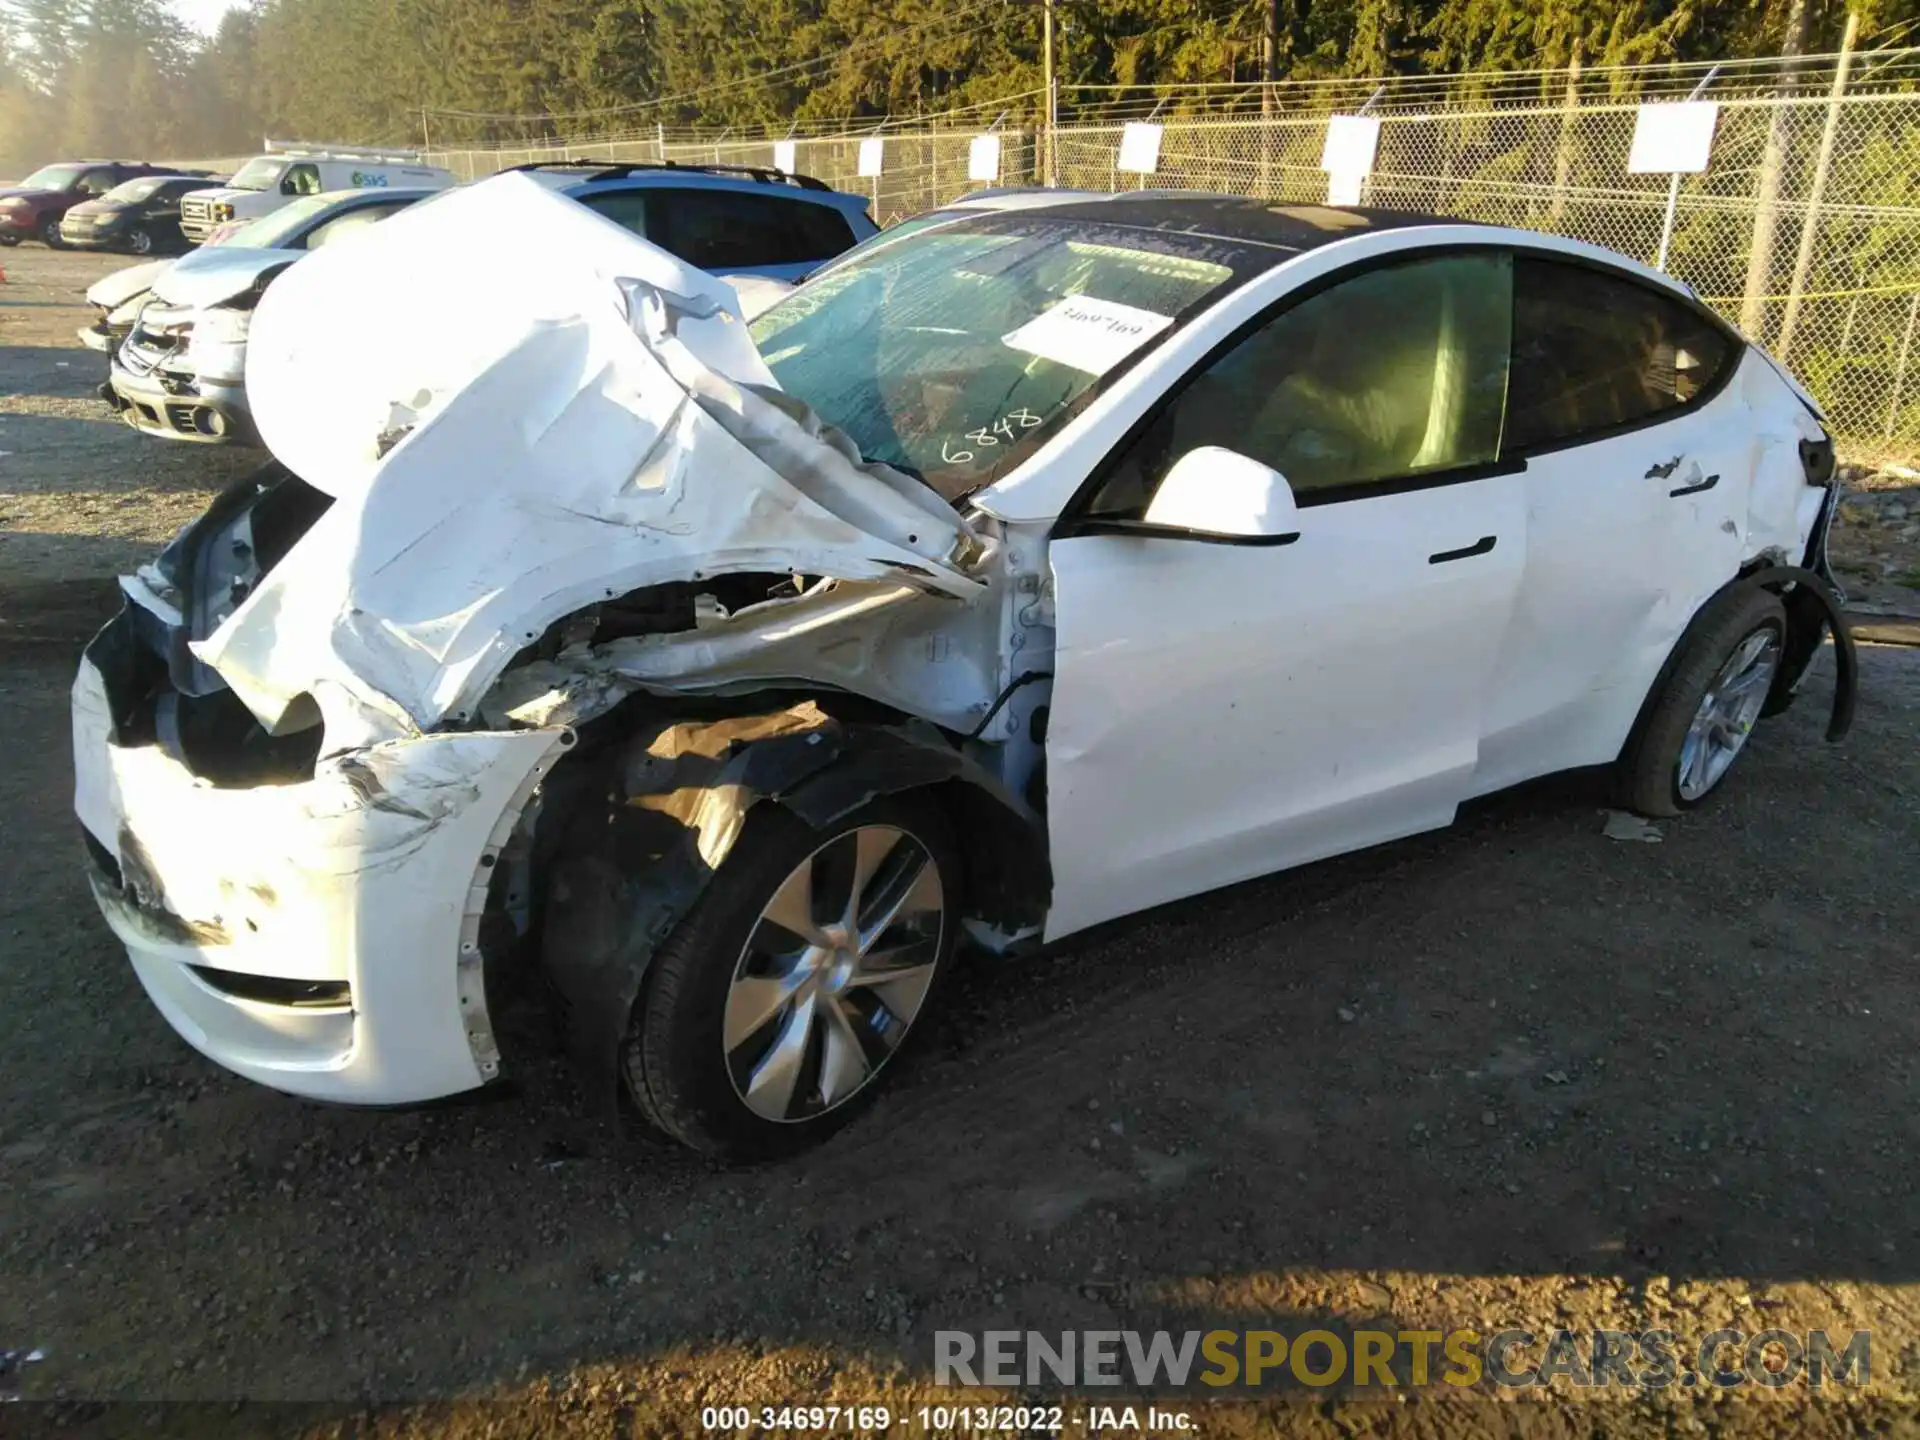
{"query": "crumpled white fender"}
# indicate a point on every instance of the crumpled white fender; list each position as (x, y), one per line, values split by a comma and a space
(582, 415)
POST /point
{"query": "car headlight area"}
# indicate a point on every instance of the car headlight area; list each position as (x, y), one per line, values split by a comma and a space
(322, 936)
(217, 349)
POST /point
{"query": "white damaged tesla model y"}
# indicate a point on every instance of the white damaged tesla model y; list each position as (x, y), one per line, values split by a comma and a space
(1035, 568)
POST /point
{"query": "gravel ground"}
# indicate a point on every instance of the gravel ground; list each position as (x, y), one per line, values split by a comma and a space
(1512, 1075)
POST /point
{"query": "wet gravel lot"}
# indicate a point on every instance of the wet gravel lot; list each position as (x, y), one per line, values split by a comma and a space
(1512, 1075)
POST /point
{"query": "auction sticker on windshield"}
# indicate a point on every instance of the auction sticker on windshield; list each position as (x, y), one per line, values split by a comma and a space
(1087, 333)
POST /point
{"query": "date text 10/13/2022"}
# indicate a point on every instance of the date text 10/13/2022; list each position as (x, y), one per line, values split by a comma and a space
(944, 1419)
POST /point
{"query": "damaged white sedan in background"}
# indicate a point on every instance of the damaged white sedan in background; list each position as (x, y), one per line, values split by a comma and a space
(1023, 572)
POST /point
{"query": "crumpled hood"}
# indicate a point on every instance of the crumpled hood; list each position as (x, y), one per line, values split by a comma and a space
(572, 414)
(113, 291)
(214, 276)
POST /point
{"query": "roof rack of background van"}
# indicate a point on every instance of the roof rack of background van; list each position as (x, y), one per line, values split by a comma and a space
(604, 170)
(313, 150)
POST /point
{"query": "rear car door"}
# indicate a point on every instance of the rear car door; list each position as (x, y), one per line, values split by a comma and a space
(1639, 458)
(1221, 710)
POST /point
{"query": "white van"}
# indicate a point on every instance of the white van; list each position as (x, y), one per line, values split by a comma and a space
(289, 170)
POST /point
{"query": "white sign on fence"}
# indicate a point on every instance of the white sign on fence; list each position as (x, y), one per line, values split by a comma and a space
(786, 156)
(1344, 189)
(1347, 156)
(1672, 139)
(1351, 143)
(871, 154)
(983, 158)
(1140, 148)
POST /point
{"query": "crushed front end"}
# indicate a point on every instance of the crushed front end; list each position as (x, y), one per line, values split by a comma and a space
(180, 374)
(316, 750)
(314, 925)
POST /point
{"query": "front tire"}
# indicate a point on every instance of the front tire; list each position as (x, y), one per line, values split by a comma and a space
(1707, 705)
(770, 1015)
(50, 234)
(140, 241)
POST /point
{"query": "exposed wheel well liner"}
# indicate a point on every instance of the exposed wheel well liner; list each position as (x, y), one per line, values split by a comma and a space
(652, 816)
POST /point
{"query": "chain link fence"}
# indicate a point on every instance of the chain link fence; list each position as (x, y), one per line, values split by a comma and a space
(1818, 259)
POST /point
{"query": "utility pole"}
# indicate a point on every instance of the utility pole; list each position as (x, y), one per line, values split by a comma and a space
(1766, 211)
(1052, 81)
(1269, 52)
(1810, 224)
(1269, 76)
(1563, 151)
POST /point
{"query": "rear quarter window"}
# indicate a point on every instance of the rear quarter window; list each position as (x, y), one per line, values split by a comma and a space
(1595, 352)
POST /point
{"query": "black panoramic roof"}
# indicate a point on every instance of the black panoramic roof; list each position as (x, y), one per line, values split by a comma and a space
(1233, 217)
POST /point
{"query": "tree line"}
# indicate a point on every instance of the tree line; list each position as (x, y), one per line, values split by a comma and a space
(127, 78)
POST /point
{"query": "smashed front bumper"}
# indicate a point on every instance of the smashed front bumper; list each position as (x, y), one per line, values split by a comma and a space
(323, 936)
(177, 406)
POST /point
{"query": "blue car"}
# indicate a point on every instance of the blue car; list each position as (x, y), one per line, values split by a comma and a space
(728, 220)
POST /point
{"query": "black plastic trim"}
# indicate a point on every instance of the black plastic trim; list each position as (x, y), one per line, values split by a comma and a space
(618, 170)
(1695, 489)
(1846, 682)
(1483, 546)
(1147, 530)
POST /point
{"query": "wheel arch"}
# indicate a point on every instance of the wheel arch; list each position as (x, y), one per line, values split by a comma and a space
(1813, 608)
(636, 830)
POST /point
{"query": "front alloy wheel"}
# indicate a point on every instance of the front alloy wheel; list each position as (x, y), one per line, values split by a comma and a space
(139, 240)
(767, 1018)
(834, 973)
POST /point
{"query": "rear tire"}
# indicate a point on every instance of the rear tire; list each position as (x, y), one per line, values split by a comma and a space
(750, 1041)
(1706, 706)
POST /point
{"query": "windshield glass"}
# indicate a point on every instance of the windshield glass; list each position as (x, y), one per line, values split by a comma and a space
(52, 177)
(953, 354)
(270, 232)
(132, 190)
(260, 173)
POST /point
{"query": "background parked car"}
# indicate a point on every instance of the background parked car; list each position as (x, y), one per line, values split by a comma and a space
(726, 219)
(141, 216)
(180, 371)
(33, 209)
(289, 172)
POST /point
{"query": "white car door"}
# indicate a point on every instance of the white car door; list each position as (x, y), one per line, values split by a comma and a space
(1221, 710)
(1639, 462)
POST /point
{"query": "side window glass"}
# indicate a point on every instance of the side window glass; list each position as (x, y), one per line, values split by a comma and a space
(301, 180)
(626, 208)
(721, 230)
(96, 182)
(1593, 352)
(1396, 372)
(820, 231)
(358, 218)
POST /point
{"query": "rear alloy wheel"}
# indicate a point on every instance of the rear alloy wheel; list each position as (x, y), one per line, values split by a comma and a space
(1709, 702)
(139, 240)
(770, 1014)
